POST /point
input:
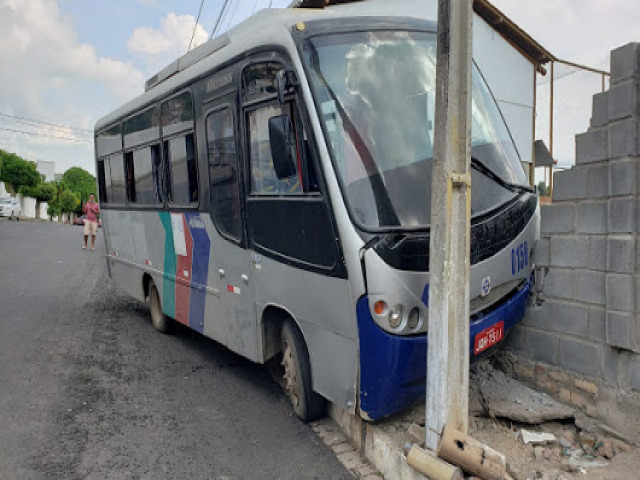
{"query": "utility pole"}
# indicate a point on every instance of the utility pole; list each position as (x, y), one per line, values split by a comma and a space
(448, 335)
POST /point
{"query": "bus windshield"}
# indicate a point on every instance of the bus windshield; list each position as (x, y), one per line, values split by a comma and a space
(375, 97)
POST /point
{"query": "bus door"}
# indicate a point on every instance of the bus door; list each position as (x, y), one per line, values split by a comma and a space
(231, 262)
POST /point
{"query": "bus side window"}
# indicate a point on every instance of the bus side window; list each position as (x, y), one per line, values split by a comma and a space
(102, 180)
(182, 171)
(223, 173)
(263, 176)
(144, 176)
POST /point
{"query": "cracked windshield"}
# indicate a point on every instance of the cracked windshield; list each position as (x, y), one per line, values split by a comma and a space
(375, 95)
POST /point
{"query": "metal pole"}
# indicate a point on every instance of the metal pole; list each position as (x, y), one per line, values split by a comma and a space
(448, 353)
(532, 166)
(551, 134)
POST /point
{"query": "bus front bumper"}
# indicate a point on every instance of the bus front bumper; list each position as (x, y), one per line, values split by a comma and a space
(393, 367)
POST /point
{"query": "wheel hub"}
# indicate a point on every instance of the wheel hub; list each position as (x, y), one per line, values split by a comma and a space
(290, 374)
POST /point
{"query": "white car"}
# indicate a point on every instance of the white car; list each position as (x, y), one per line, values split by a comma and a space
(10, 207)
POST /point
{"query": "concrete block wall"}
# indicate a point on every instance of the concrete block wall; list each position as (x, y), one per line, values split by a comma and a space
(28, 207)
(588, 326)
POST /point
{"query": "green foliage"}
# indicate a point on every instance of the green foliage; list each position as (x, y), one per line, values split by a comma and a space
(44, 192)
(17, 171)
(543, 189)
(53, 209)
(80, 182)
(69, 202)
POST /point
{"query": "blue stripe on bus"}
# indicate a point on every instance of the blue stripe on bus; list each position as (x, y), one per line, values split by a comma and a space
(393, 367)
(199, 270)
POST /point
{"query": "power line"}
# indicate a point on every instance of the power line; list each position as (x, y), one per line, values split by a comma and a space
(215, 27)
(60, 137)
(233, 14)
(195, 27)
(40, 122)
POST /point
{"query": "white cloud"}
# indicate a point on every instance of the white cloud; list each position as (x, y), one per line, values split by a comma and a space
(49, 75)
(168, 42)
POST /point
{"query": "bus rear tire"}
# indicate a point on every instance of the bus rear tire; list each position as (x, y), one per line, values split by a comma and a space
(159, 320)
(307, 404)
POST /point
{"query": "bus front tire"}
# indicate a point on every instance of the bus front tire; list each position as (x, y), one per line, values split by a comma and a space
(307, 404)
(159, 320)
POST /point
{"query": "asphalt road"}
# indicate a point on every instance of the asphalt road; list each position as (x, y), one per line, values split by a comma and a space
(88, 389)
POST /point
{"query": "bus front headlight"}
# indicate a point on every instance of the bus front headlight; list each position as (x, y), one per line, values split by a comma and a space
(395, 316)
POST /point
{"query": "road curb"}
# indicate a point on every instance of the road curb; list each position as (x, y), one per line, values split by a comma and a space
(375, 445)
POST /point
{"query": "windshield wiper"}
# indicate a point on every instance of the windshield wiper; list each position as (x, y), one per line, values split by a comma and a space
(487, 172)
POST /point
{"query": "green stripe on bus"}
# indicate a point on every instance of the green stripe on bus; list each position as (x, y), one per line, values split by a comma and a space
(168, 282)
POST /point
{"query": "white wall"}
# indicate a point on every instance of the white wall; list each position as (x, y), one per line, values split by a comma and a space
(43, 210)
(28, 207)
(511, 78)
(3, 190)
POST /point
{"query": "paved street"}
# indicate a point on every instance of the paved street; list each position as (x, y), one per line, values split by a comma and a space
(89, 390)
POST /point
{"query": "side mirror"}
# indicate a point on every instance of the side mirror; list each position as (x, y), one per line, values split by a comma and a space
(281, 137)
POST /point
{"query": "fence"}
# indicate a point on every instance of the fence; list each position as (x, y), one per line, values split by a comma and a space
(563, 108)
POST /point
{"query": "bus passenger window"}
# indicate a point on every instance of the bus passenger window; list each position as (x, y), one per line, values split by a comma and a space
(223, 168)
(118, 194)
(144, 176)
(263, 175)
(102, 182)
(182, 170)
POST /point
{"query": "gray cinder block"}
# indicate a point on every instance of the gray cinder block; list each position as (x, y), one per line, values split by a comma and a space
(623, 138)
(597, 181)
(634, 373)
(590, 287)
(610, 358)
(537, 316)
(620, 330)
(557, 218)
(592, 146)
(625, 62)
(570, 252)
(569, 318)
(541, 252)
(621, 215)
(621, 254)
(623, 177)
(542, 346)
(592, 217)
(597, 324)
(599, 110)
(560, 283)
(580, 356)
(570, 184)
(597, 252)
(622, 99)
(620, 291)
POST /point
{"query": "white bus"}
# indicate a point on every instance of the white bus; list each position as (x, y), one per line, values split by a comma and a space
(271, 190)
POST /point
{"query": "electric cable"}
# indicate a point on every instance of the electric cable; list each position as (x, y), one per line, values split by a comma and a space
(70, 139)
(29, 121)
(195, 27)
(215, 27)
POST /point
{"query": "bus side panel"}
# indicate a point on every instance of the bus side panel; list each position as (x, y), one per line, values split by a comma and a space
(323, 309)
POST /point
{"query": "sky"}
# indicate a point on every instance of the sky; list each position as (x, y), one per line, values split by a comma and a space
(66, 63)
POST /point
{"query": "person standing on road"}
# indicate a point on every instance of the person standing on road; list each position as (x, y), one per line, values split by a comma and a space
(91, 210)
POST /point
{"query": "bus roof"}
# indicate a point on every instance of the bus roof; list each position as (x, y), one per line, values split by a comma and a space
(272, 27)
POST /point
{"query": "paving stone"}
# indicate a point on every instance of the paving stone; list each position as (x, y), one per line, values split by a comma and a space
(620, 292)
(590, 287)
(621, 251)
(557, 218)
(591, 217)
(580, 356)
(569, 318)
(620, 329)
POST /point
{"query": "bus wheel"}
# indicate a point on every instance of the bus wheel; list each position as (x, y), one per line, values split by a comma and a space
(160, 321)
(307, 404)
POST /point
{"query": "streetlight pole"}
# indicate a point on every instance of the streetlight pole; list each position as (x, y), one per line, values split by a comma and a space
(447, 400)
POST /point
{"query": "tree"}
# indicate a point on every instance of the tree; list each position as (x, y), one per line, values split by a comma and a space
(80, 182)
(44, 192)
(68, 202)
(543, 189)
(17, 172)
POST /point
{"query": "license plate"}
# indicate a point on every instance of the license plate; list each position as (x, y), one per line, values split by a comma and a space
(488, 337)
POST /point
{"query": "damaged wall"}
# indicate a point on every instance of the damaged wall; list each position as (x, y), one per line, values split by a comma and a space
(589, 322)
